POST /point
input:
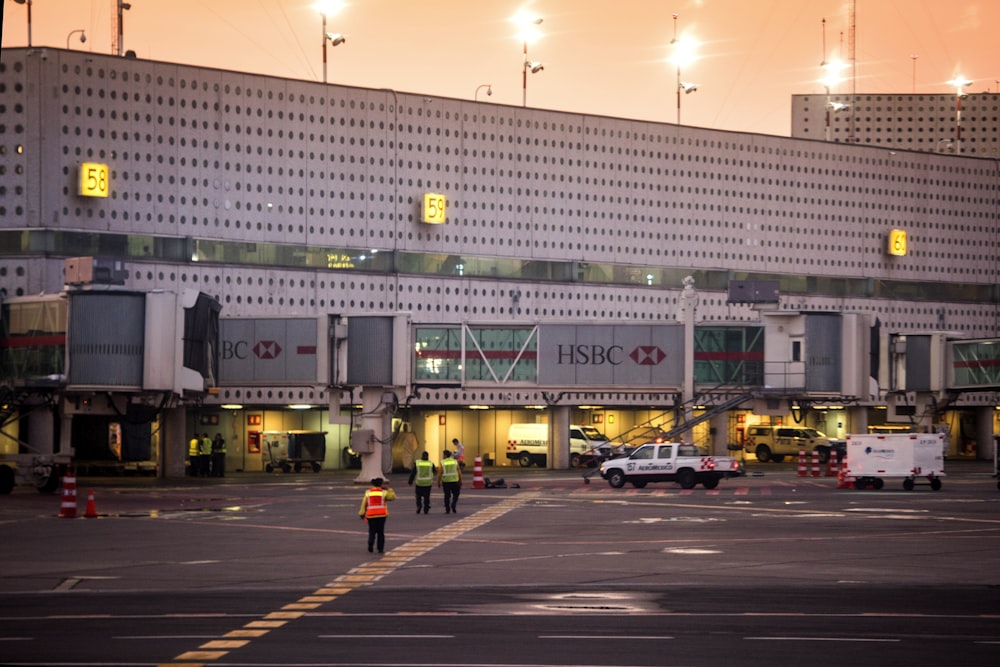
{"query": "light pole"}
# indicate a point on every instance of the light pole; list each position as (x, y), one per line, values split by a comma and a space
(120, 17)
(83, 36)
(28, 3)
(487, 86)
(960, 83)
(830, 79)
(528, 32)
(325, 8)
(684, 54)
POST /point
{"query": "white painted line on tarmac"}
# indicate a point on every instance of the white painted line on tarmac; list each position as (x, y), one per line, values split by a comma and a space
(824, 639)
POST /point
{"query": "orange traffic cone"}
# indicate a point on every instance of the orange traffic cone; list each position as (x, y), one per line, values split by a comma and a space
(844, 481)
(477, 474)
(832, 464)
(91, 511)
(67, 509)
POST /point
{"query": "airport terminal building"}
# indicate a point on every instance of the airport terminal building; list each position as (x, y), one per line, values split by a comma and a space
(186, 250)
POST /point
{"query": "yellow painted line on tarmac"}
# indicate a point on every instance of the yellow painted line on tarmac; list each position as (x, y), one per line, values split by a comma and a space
(363, 575)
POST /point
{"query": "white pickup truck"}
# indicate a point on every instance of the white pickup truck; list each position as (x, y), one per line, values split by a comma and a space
(669, 462)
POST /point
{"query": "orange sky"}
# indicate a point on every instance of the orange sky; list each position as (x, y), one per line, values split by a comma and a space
(600, 57)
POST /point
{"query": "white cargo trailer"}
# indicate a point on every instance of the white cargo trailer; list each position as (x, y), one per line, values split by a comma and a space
(911, 456)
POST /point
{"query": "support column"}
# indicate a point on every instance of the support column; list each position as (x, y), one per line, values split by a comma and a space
(173, 443)
(375, 416)
(984, 433)
(719, 429)
(558, 455)
(686, 306)
(857, 420)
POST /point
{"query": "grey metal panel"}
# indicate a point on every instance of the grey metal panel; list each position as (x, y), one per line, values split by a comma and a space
(611, 355)
(106, 339)
(369, 351)
(823, 359)
(918, 362)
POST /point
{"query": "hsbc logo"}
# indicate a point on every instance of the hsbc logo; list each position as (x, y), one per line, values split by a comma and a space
(612, 355)
(647, 355)
(267, 349)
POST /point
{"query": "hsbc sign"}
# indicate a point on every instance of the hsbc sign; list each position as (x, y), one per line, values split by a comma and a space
(267, 351)
(611, 355)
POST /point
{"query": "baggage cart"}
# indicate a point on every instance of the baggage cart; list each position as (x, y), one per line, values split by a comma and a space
(293, 450)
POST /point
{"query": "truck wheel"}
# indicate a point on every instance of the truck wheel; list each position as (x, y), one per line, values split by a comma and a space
(7, 478)
(574, 460)
(878, 483)
(686, 478)
(616, 478)
(861, 483)
(640, 485)
(50, 483)
(777, 458)
(524, 459)
(763, 453)
(935, 484)
(710, 482)
(824, 454)
(907, 484)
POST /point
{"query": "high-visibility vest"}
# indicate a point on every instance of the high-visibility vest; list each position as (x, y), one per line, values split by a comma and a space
(425, 473)
(194, 447)
(206, 446)
(449, 470)
(376, 503)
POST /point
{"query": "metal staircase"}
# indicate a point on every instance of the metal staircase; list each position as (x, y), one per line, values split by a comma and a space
(714, 403)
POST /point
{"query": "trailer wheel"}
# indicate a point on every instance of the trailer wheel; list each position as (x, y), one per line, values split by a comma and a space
(50, 483)
(935, 484)
(524, 459)
(316, 466)
(878, 483)
(616, 478)
(298, 466)
(710, 482)
(686, 478)
(285, 468)
(861, 483)
(268, 467)
(7, 478)
(908, 484)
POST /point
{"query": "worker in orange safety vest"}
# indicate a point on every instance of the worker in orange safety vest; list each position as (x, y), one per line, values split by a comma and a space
(375, 511)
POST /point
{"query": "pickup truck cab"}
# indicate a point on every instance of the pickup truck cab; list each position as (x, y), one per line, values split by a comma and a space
(669, 462)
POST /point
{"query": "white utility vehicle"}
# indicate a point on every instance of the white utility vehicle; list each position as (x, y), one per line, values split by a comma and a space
(669, 462)
(911, 456)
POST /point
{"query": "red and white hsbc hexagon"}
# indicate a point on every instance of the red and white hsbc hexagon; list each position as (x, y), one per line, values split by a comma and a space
(611, 355)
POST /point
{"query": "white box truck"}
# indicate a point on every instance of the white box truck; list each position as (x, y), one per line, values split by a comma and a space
(911, 456)
(528, 444)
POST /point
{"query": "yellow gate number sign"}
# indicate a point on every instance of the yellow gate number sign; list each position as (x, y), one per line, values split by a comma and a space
(434, 208)
(94, 180)
(897, 242)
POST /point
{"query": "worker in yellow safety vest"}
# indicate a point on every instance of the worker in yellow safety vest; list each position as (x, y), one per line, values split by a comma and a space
(206, 456)
(375, 511)
(194, 453)
(423, 474)
(450, 479)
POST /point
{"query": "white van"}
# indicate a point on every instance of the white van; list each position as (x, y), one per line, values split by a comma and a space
(529, 443)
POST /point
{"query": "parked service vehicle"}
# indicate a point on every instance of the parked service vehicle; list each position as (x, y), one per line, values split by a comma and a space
(774, 443)
(528, 444)
(669, 462)
(44, 472)
(911, 456)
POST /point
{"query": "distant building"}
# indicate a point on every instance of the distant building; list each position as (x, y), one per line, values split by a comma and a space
(927, 123)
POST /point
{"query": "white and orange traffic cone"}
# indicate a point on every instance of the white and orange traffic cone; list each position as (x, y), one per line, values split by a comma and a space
(815, 463)
(832, 464)
(91, 511)
(67, 509)
(802, 471)
(477, 474)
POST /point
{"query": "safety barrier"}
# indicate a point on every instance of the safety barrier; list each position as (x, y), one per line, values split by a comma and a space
(67, 509)
(477, 474)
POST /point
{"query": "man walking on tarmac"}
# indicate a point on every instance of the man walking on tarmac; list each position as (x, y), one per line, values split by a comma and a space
(423, 473)
(450, 479)
(375, 512)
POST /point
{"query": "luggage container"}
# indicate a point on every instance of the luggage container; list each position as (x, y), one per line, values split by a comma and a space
(912, 456)
(293, 450)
